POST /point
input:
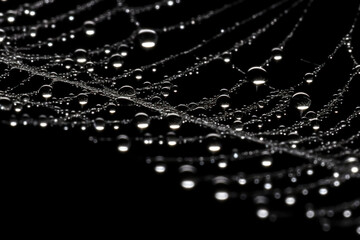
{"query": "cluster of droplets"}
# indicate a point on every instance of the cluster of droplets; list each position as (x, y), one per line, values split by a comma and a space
(77, 92)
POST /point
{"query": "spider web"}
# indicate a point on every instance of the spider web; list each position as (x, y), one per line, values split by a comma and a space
(218, 94)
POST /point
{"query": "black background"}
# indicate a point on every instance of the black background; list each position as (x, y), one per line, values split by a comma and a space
(58, 183)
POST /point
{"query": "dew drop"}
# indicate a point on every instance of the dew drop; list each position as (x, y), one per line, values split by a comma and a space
(68, 63)
(148, 38)
(99, 124)
(223, 101)
(188, 184)
(138, 74)
(2, 35)
(89, 28)
(123, 50)
(46, 91)
(112, 108)
(33, 32)
(5, 104)
(127, 90)
(309, 77)
(290, 200)
(301, 101)
(116, 61)
(238, 126)
(174, 120)
(277, 54)
(80, 56)
(142, 120)
(11, 16)
(160, 168)
(262, 213)
(257, 75)
(226, 56)
(123, 142)
(83, 99)
(267, 162)
(213, 142)
(221, 195)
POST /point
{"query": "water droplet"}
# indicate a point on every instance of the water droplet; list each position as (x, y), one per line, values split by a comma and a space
(112, 108)
(127, 90)
(172, 139)
(257, 75)
(83, 99)
(222, 195)
(99, 124)
(174, 120)
(148, 38)
(11, 16)
(309, 77)
(213, 142)
(89, 28)
(123, 142)
(226, 56)
(43, 121)
(5, 104)
(323, 191)
(301, 101)
(223, 101)
(68, 63)
(33, 32)
(262, 213)
(187, 173)
(142, 120)
(160, 168)
(188, 184)
(311, 116)
(290, 200)
(123, 50)
(267, 161)
(80, 56)
(238, 126)
(2, 35)
(116, 61)
(277, 54)
(138, 74)
(46, 91)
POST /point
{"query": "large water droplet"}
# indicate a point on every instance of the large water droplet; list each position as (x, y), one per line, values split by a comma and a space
(89, 28)
(301, 101)
(223, 101)
(99, 124)
(127, 90)
(116, 61)
(277, 54)
(46, 91)
(80, 56)
(83, 99)
(142, 120)
(2, 35)
(174, 120)
(213, 142)
(257, 75)
(123, 143)
(5, 104)
(148, 38)
(33, 32)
